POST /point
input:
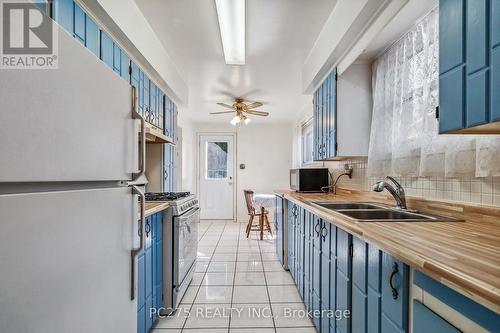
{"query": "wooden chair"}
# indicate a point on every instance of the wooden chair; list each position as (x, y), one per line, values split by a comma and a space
(252, 213)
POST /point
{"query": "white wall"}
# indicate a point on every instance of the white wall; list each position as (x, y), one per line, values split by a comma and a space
(266, 151)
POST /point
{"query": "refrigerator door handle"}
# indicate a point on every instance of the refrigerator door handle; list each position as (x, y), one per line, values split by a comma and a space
(135, 252)
(142, 147)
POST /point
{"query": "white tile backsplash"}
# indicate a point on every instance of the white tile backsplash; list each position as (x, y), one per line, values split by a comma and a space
(483, 191)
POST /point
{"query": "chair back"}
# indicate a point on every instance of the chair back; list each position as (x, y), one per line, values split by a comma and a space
(249, 201)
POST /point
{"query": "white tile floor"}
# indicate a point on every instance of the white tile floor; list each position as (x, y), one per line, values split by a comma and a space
(239, 286)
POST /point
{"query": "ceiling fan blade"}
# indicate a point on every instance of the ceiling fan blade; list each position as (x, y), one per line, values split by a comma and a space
(221, 112)
(253, 105)
(258, 113)
(226, 105)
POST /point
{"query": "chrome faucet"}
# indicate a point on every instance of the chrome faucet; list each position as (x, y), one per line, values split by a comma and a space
(346, 172)
(398, 193)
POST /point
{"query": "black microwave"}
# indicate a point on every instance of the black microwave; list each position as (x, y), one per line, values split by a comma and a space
(308, 179)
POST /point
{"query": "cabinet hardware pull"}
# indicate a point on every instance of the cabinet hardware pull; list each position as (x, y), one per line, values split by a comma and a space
(324, 233)
(395, 270)
(147, 228)
(316, 229)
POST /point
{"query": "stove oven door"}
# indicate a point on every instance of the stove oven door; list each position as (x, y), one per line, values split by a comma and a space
(185, 251)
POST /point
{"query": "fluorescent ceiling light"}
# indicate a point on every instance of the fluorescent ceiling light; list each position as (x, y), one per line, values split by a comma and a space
(231, 14)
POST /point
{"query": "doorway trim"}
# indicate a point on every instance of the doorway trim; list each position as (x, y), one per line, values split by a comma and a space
(235, 174)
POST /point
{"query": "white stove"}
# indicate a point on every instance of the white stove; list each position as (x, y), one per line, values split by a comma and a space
(180, 244)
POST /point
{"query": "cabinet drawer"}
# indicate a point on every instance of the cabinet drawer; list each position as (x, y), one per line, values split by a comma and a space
(425, 321)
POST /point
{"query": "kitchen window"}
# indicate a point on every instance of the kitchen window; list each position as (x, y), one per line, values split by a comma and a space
(307, 142)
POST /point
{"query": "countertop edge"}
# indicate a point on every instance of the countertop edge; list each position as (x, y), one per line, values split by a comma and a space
(480, 292)
(155, 207)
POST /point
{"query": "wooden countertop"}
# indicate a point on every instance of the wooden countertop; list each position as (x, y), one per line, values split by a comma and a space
(155, 207)
(464, 255)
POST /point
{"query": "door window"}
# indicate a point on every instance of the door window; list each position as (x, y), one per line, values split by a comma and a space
(216, 164)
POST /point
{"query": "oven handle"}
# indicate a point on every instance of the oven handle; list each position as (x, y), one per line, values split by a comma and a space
(188, 215)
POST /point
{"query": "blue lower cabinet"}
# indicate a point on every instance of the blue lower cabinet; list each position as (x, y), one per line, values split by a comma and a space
(326, 276)
(141, 320)
(344, 269)
(150, 274)
(291, 238)
(423, 317)
(317, 223)
(425, 321)
(395, 290)
(495, 79)
(359, 286)
(278, 227)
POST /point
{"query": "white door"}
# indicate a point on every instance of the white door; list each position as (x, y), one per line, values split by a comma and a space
(216, 177)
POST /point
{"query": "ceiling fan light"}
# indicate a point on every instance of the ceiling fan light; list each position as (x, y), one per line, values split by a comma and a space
(235, 120)
(247, 120)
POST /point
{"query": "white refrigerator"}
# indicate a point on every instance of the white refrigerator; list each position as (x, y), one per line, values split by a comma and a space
(69, 217)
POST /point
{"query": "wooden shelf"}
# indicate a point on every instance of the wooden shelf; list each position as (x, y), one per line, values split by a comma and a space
(155, 136)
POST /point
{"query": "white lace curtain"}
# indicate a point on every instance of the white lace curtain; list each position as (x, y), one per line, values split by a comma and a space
(404, 134)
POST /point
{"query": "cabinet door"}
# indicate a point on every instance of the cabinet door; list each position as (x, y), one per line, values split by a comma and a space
(326, 235)
(333, 276)
(152, 103)
(478, 81)
(161, 110)
(316, 268)
(166, 168)
(291, 239)
(374, 288)
(63, 14)
(495, 66)
(79, 23)
(107, 49)
(307, 260)
(278, 228)
(425, 321)
(451, 65)
(395, 287)
(145, 91)
(301, 246)
(125, 66)
(359, 286)
(344, 269)
(332, 121)
(117, 59)
(91, 35)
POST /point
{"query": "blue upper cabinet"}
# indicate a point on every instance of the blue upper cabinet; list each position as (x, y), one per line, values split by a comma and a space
(469, 66)
(63, 14)
(91, 35)
(107, 52)
(325, 118)
(495, 59)
(75, 21)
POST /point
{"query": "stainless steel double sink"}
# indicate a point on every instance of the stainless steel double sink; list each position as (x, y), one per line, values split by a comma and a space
(371, 212)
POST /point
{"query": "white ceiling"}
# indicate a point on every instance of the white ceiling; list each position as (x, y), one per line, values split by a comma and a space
(279, 36)
(398, 26)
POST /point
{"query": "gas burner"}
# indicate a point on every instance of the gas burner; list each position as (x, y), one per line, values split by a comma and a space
(166, 196)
